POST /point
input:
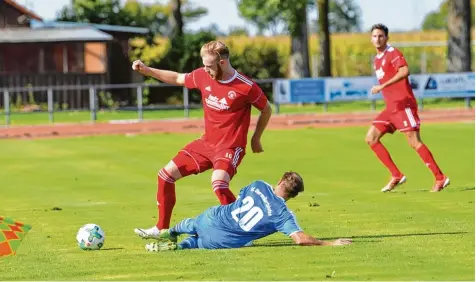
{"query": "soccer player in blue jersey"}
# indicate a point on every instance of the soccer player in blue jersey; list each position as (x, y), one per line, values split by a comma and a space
(259, 211)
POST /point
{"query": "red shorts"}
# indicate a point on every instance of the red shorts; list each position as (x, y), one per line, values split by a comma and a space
(403, 120)
(196, 158)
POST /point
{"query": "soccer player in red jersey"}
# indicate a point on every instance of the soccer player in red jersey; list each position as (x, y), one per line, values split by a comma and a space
(227, 97)
(401, 111)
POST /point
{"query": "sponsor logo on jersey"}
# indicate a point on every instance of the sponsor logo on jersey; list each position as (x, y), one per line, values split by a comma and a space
(217, 104)
(232, 95)
(380, 73)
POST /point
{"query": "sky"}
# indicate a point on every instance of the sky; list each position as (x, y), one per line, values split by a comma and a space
(396, 14)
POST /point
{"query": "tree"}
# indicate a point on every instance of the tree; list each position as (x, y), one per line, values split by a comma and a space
(264, 14)
(214, 29)
(297, 26)
(176, 20)
(344, 16)
(267, 15)
(237, 31)
(293, 13)
(459, 36)
(324, 39)
(191, 12)
(437, 20)
(92, 11)
(153, 16)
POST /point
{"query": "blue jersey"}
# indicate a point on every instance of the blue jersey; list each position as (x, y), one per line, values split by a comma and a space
(257, 213)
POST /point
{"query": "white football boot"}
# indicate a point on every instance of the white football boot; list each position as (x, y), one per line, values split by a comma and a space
(394, 183)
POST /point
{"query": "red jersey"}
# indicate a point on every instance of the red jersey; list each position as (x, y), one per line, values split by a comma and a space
(399, 95)
(227, 107)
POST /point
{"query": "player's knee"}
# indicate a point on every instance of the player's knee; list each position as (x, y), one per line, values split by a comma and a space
(414, 143)
(223, 170)
(373, 136)
(172, 169)
(371, 140)
(414, 139)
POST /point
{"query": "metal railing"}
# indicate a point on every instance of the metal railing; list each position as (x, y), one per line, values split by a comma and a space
(91, 98)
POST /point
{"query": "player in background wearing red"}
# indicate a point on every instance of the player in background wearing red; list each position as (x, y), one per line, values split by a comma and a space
(401, 111)
(227, 97)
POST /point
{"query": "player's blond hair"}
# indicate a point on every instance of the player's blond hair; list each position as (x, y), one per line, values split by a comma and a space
(216, 48)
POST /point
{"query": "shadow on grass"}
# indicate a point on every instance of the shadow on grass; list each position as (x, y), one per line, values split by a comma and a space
(281, 243)
(447, 189)
(467, 189)
(112, 249)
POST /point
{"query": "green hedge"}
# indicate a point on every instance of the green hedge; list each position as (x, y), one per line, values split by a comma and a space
(267, 57)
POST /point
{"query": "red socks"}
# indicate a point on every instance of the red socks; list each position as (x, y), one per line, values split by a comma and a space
(386, 159)
(430, 162)
(223, 192)
(423, 151)
(166, 196)
(165, 199)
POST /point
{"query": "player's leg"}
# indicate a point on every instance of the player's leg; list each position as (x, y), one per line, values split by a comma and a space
(381, 126)
(185, 163)
(410, 126)
(186, 226)
(225, 167)
(201, 226)
(190, 242)
(166, 190)
(190, 160)
(165, 197)
(221, 185)
(159, 246)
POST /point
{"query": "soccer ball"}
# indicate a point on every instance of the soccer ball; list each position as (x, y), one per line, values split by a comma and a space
(90, 237)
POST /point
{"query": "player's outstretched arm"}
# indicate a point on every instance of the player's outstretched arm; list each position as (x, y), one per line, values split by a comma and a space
(303, 239)
(169, 77)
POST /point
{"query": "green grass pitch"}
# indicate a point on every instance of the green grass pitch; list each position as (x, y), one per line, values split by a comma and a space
(409, 234)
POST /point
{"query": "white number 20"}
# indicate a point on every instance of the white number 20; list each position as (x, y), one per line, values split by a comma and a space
(251, 218)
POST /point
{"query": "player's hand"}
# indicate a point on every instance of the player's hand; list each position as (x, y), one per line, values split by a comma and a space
(376, 89)
(256, 145)
(140, 67)
(342, 242)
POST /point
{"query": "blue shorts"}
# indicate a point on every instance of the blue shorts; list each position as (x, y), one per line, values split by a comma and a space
(214, 235)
